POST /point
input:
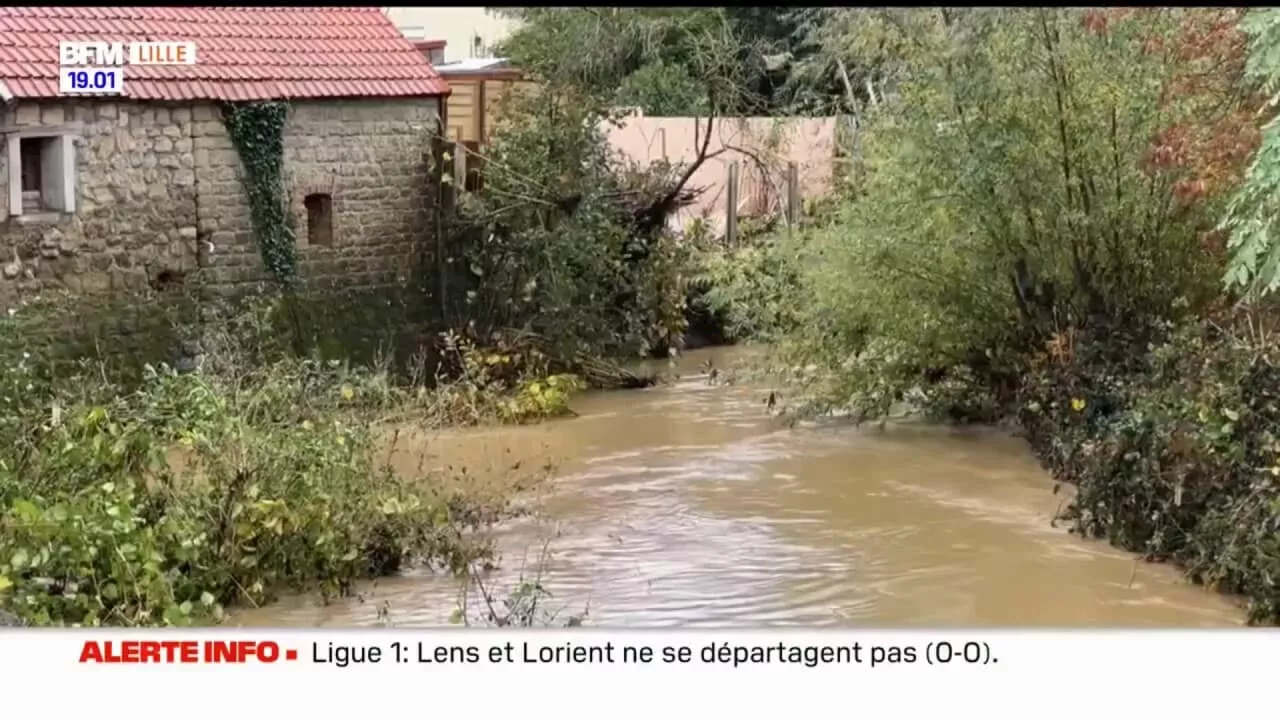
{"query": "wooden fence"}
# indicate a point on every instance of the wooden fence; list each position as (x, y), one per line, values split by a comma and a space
(793, 204)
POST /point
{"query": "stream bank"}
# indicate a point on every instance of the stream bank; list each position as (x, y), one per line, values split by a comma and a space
(686, 504)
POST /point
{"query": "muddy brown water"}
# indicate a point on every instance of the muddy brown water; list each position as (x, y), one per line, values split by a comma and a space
(688, 505)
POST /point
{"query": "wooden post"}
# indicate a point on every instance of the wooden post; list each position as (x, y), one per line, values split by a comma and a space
(793, 194)
(475, 167)
(439, 147)
(459, 167)
(482, 113)
(731, 206)
(662, 141)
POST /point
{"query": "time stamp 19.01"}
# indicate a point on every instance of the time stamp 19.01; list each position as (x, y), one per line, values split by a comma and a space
(90, 80)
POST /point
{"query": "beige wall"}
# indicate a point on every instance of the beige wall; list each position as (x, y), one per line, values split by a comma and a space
(455, 25)
(772, 143)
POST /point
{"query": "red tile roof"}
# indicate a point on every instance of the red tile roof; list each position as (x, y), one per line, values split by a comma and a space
(259, 53)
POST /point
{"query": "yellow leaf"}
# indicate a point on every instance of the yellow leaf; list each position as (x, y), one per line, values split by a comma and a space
(5, 583)
(348, 392)
(1077, 404)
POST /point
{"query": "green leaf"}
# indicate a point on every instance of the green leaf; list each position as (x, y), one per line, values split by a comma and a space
(26, 511)
(174, 616)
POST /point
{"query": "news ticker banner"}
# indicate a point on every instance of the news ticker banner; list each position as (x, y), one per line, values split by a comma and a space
(590, 673)
(97, 68)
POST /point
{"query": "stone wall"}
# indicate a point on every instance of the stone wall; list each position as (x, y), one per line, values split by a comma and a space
(136, 208)
(160, 195)
(154, 179)
(366, 155)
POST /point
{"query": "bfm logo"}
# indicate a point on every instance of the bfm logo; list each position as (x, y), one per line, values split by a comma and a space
(107, 54)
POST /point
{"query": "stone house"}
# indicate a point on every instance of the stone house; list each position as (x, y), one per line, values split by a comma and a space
(111, 193)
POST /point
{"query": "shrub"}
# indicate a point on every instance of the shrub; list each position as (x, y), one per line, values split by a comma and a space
(748, 288)
(104, 522)
(1176, 453)
(164, 503)
(996, 212)
(557, 242)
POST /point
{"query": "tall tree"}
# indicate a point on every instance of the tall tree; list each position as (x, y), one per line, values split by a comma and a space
(654, 58)
(1251, 218)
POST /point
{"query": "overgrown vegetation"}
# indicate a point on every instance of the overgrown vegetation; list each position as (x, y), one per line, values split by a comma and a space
(1039, 210)
(1175, 452)
(1033, 234)
(555, 243)
(656, 59)
(253, 471)
(1255, 261)
(566, 243)
(167, 502)
(257, 131)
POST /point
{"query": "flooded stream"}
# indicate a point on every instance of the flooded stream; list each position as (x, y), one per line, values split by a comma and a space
(687, 505)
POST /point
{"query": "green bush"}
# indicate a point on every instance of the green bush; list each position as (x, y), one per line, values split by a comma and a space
(1176, 453)
(164, 505)
(748, 288)
(164, 502)
(551, 243)
(994, 214)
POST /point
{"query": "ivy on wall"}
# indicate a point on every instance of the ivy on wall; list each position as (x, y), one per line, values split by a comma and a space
(257, 131)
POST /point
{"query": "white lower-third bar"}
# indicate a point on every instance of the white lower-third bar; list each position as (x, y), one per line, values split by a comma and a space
(587, 674)
(90, 80)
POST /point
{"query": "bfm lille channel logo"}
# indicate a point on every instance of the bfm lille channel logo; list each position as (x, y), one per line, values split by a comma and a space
(94, 67)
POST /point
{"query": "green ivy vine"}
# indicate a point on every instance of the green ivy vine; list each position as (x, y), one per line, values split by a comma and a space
(257, 131)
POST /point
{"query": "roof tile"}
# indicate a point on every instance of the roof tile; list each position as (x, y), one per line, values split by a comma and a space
(243, 53)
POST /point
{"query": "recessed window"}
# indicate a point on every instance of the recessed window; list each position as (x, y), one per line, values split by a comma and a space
(319, 218)
(32, 173)
(31, 163)
(45, 168)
